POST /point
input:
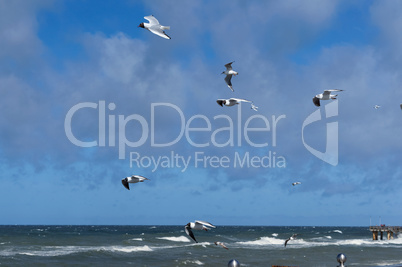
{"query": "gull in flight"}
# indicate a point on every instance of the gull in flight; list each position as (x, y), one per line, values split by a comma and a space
(197, 225)
(235, 101)
(377, 106)
(290, 238)
(154, 27)
(133, 179)
(296, 183)
(221, 244)
(325, 96)
(229, 73)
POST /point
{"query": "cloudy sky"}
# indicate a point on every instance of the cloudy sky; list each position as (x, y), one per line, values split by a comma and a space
(89, 98)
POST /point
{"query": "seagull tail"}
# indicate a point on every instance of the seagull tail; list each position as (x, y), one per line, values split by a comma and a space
(165, 27)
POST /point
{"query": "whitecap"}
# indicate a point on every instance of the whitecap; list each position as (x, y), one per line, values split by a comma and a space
(337, 231)
(175, 238)
(193, 262)
(137, 239)
(127, 249)
(275, 234)
(262, 242)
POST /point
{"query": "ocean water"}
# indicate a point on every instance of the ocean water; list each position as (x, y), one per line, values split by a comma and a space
(170, 246)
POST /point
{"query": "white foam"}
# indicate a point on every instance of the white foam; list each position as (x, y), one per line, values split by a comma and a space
(137, 239)
(193, 262)
(387, 263)
(52, 251)
(263, 241)
(275, 234)
(127, 249)
(337, 231)
(175, 238)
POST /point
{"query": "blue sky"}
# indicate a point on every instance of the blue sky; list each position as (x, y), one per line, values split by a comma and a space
(57, 55)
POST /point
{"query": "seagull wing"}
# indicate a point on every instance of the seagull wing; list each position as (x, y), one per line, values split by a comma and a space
(286, 242)
(228, 80)
(125, 183)
(158, 31)
(206, 224)
(220, 101)
(229, 65)
(240, 100)
(190, 233)
(221, 244)
(152, 20)
(316, 101)
(328, 92)
(139, 177)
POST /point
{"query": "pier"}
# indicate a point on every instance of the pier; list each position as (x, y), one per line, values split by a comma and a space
(390, 230)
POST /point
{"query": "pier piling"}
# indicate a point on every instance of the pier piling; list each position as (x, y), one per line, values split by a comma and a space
(381, 229)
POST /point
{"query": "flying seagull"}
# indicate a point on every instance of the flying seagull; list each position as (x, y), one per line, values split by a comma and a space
(290, 238)
(154, 27)
(133, 179)
(229, 73)
(296, 183)
(377, 106)
(221, 244)
(197, 225)
(235, 101)
(325, 96)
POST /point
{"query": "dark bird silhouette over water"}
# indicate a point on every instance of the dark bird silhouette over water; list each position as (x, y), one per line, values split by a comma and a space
(290, 238)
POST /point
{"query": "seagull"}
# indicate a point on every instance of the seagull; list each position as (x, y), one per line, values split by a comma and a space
(296, 183)
(325, 96)
(229, 73)
(154, 27)
(290, 238)
(254, 107)
(377, 106)
(221, 244)
(235, 101)
(133, 179)
(197, 225)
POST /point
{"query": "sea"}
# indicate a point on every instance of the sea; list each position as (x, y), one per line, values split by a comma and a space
(44, 245)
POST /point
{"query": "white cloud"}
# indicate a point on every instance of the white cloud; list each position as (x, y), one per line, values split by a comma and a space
(120, 57)
(18, 29)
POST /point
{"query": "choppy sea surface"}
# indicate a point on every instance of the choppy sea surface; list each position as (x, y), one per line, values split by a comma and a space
(170, 246)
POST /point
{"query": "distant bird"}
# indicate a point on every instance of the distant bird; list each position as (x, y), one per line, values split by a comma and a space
(229, 73)
(377, 106)
(254, 107)
(290, 238)
(296, 183)
(234, 101)
(221, 244)
(133, 179)
(197, 225)
(154, 27)
(325, 96)
(400, 106)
